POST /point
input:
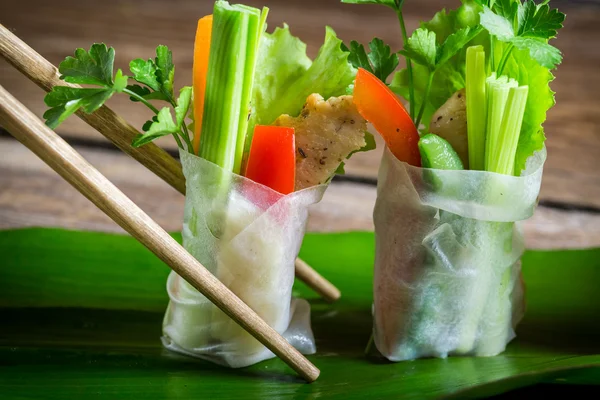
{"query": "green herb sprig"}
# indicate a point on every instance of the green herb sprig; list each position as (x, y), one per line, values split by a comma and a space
(526, 26)
(396, 5)
(155, 82)
(380, 61)
(423, 49)
(420, 48)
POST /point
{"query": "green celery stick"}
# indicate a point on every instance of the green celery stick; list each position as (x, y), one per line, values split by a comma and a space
(503, 163)
(476, 106)
(497, 95)
(508, 135)
(236, 32)
(504, 123)
(234, 43)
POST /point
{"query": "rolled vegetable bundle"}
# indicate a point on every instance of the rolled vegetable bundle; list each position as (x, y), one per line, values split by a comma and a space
(249, 242)
(447, 269)
(451, 192)
(257, 171)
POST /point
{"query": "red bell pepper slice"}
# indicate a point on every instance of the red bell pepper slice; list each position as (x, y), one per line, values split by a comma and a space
(272, 159)
(380, 106)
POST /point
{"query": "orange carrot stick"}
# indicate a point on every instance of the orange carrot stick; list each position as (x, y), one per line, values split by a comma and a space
(201, 53)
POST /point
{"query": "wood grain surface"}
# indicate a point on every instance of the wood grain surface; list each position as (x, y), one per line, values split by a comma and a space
(30, 194)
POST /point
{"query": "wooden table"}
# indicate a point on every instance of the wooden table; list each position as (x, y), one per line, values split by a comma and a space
(32, 195)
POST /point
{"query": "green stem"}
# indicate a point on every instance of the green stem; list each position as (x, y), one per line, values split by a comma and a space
(179, 144)
(476, 106)
(427, 90)
(184, 133)
(140, 98)
(411, 87)
(155, 110)
(492, 58)
(504, 59)
(188, 143)
(186, 137)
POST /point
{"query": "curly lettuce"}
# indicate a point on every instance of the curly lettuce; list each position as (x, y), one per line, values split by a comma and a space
(286, 76)
(528, 72)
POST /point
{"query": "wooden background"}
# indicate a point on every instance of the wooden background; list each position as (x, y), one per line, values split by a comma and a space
(33, 195)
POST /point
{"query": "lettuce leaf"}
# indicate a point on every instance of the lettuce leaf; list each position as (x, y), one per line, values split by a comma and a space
(522, 67)
(450, 77)
(281, 61)
(285, 75)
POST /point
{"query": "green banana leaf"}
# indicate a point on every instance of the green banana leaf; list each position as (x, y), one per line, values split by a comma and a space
(81, 315)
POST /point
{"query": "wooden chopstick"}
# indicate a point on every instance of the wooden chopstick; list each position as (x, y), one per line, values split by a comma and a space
(65, 160)
(44, 74)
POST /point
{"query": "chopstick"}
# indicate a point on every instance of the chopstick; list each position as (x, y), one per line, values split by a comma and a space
(44, 74)
(69, 164)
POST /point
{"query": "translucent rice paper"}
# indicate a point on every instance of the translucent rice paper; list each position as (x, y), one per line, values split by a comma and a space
(447, 264)
(248, 236)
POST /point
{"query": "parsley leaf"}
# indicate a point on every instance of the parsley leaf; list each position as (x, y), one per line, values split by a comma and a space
(358, 56)
(163, 126)
(152, 73)
(421, 48)
(497, 25)
(545, 54)
(380, 61)
(144, 71)
(454, 44)
(540, 21)
(149, 123)
(384, 63)
(183, 104)
(66, 100)
(87, 67)
(120, 81)
(525, 26)
(506, 8)
(165, 70)
(94, 67)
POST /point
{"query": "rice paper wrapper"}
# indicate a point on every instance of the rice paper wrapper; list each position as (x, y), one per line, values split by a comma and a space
(447, 266)
(248, 236)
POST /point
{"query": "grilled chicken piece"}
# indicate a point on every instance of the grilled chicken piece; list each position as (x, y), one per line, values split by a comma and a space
(450, 123)
(327, 132)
